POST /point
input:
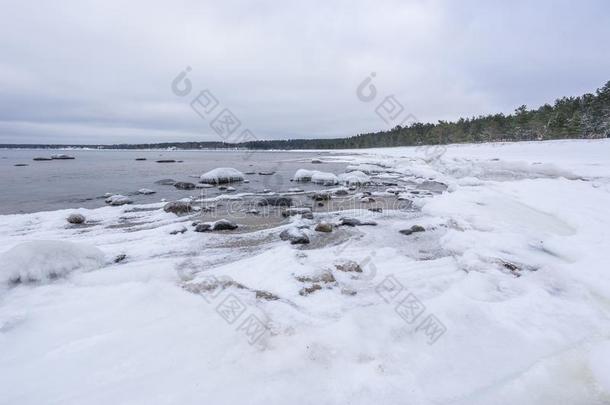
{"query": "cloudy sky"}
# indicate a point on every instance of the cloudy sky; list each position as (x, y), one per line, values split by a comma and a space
(89, 71)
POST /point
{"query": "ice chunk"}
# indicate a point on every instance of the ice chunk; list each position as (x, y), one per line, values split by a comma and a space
(222, 175)
(45, 260)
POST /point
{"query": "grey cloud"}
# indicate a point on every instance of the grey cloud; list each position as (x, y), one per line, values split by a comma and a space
(100, 72)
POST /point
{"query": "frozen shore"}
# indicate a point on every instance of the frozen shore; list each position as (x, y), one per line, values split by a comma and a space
(494, 288)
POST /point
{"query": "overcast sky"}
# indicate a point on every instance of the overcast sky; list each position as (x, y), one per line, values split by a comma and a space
(88, 71)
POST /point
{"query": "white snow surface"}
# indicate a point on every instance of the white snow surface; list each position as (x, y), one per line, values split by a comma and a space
(138, 332)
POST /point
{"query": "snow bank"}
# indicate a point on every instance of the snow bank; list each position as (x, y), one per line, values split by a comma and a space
(45, 260)
(222, 175)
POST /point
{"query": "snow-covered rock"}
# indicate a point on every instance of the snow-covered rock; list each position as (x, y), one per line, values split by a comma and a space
(222, 175)
(303, 175)
(354, 177)
(324, 178)
(315, 176)
(118, 199)
(146, 191)
(295, 235)
(40, 261)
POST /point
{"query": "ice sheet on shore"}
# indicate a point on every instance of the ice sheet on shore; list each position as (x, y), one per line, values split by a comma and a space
(513, 262)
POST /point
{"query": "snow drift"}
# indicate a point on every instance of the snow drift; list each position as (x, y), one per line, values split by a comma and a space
(46, 260)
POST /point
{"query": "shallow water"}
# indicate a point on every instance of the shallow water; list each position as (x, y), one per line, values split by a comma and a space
(82, 182)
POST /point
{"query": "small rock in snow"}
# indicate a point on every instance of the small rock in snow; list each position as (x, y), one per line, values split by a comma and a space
(178, 207)
(323, 227)
(118, 199)
(413, 229)
(294, 235)
(76, 218)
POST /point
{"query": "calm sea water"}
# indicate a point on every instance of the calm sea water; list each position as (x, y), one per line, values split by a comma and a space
(82, 182)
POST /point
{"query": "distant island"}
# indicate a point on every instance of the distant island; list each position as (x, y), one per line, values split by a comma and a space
(582, 117)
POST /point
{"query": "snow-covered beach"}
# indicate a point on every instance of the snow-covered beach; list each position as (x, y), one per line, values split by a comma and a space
(493, 289)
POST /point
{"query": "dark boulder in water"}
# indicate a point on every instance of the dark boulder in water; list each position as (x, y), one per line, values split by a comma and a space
(42, 159)
(166, 161)
(166, 182)
(20, 164)
(140, 159)
(183, 185)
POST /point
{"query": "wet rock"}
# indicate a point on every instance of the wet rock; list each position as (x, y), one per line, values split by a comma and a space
(355, 222)
(166, 161)
(349, 266)
(76, 218)
(120, 258)
(266, 295)
(223, 225)
(42, 159)
(250, 172)
(178, 207)
(341, 192)
(184, 185)
(140, 159)
(316, 161)
(166, 182)
(276, 201)
(118, 199)
(367, 200)
(270, 173)
(307, 215)
(308, 290)
(320, 204)
(321, 196)
(206, 227)
(323, 227)
(220, 225)
(413, 229)
(288, 212)
(295, 236)
(20, 164)
(146, 191)
(376, 209)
